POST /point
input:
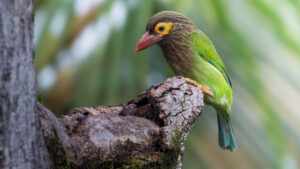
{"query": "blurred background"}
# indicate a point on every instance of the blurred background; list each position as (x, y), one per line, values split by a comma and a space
(84, 57)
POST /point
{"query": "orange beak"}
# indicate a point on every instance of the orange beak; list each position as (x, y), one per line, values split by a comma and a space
(146, 41)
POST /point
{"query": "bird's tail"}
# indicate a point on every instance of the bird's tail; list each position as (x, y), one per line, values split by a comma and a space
(226, 136)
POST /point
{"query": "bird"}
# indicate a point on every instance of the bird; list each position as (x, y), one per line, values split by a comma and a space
(191, 54)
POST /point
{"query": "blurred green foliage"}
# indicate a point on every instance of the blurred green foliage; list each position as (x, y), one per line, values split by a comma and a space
(84, 56)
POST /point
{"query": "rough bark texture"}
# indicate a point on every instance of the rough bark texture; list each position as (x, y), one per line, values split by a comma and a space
(147, 132)
(21, 142)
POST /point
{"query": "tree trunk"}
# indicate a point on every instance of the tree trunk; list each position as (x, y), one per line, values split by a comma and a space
(21, 142)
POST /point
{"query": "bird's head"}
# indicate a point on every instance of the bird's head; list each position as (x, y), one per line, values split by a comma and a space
(163, 27)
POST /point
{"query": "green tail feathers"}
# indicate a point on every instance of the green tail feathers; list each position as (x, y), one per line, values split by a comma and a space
(226, 136)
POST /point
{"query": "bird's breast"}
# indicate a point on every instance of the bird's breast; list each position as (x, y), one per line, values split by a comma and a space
(179, 57)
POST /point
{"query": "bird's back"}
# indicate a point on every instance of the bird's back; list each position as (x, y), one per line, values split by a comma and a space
(209, 69)
(196, 58)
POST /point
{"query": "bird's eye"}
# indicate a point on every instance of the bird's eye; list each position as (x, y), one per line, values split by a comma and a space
(163, 28)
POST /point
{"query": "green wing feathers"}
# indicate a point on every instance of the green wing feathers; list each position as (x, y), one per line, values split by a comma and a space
(207, 51)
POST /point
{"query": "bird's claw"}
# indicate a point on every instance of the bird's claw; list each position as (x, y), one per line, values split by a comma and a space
(204, 88)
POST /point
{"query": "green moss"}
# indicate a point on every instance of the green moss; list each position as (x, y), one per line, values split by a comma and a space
(176, 139)
(57, 156)
(132, 163)
(169, 158)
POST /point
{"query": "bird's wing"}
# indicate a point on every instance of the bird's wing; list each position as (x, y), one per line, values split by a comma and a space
(207, 51)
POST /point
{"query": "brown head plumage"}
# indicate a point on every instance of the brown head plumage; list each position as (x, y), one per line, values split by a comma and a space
(180, 22)
(171, 31)
(165, 26)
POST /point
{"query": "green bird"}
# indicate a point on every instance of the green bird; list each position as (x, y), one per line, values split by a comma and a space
(191, 54)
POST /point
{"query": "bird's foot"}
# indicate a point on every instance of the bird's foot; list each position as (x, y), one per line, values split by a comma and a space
(204, 88)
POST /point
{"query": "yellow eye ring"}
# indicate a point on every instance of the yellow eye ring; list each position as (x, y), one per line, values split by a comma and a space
(163, 28)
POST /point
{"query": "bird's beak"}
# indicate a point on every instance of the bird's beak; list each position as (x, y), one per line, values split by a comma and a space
(146, 41)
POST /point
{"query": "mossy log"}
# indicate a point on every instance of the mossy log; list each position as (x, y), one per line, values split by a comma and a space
(148, 132)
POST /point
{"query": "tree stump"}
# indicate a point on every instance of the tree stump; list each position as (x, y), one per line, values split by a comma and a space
(146, 133)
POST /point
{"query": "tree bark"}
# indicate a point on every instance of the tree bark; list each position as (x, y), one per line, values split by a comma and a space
(21, 141)
(146, 133)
